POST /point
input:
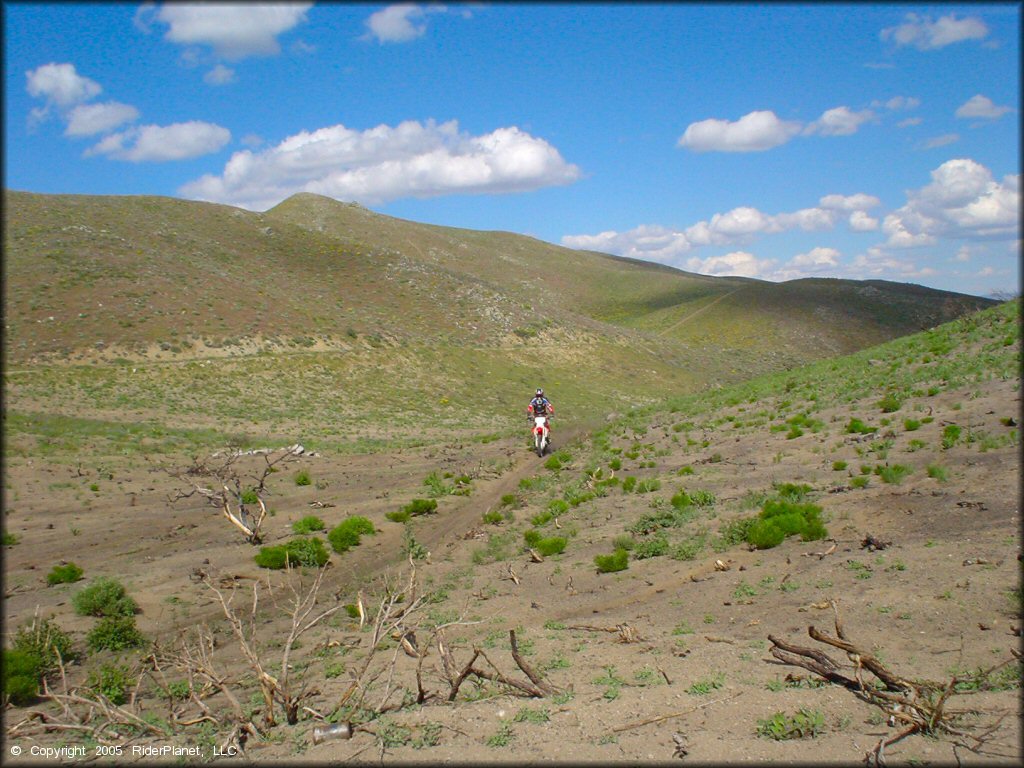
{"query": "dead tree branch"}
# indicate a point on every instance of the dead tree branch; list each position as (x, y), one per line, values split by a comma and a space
(227, 488)
(920, 706)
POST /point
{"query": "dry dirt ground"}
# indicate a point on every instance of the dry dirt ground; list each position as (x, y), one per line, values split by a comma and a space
(935, 601)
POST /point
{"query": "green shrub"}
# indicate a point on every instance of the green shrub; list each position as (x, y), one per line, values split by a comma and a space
(418, 507)
(304, 551)
(347, 534)
(838, 466)
(21, 676)
(541, 518)
(688, 549)
(893, 474)
(104, 596)
(937, 472)
(950, 435)
(764, 534)
(647, 485)
(308, 524)
(859, 427)
(792, 491)
(411, 547)
(735, 531)
(655, 546)
(780, 726)
(113, 681)
(403, 516)
(617, 561)
(625, 541)
(45, 641)
(911, 425)
(553, 463)
(780, 518)
(494, 517)
(115, 633)
(794, 432)
(558, 507)
(250, 496)
(628, 484)
(890, 403)
(64, 574)
(9, 539)
(550, 545)
(861, 481)
(302, 477)
(681, 500)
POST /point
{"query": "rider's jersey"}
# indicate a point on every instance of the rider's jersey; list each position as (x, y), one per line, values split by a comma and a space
(540, 406)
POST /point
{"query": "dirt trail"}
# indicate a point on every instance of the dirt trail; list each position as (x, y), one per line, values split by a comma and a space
(465, 514)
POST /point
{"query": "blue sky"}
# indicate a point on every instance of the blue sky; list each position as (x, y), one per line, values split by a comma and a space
(771, 141)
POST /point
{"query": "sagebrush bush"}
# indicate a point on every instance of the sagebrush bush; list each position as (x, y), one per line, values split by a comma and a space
(304, 551)
(21, 676)
(347, 534)
(115, 633)
(64, 574)
(494, 517)
(617, 561)
(104, 596)
(302, 477)
(309, 524)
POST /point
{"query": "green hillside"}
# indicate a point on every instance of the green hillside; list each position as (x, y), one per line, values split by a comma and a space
(322, 319)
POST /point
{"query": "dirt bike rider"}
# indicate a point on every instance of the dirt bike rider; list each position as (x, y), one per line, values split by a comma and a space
(540, 406)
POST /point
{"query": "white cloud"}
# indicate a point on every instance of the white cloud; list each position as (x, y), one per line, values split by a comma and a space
(981, 106)
(736, 227)
(90, 119)
(964, 254)
(155, 143)
(807, 219)
(857, 202)
(861, 222)
(651, 243)
(219, 75)
(736, 264)
(941, 141)
(925, 34)
(909, 122)
(400, 23)
(61, 85)
(841, 121)
(816, 259)
(386, 163)
(753, 132)
(898, 103)
(234, 30)
(962, 201)
(877, 263)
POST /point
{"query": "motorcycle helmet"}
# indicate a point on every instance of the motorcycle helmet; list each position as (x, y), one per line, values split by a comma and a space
(540, 393)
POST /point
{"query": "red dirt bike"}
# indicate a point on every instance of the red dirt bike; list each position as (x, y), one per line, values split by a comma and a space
(541, 432)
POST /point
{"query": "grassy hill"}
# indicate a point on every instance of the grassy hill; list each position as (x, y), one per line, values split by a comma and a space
(323, 318)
